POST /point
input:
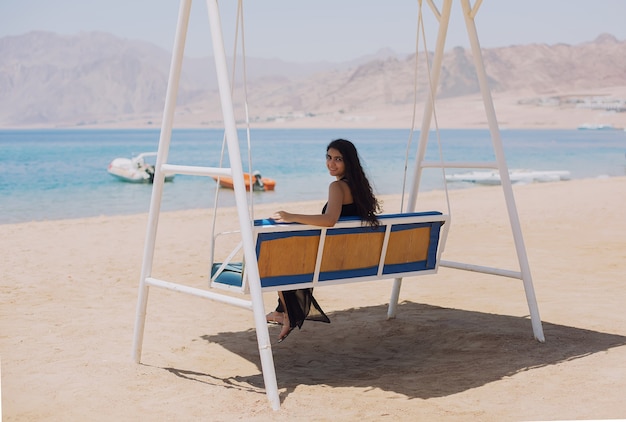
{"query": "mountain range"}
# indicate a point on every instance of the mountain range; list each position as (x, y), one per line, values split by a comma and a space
(98, 79)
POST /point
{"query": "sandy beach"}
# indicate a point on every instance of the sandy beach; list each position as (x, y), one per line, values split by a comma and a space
(460, 349)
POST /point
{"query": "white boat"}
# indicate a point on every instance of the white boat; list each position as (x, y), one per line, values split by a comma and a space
(492, 177)
(135, 169)
(596, 126)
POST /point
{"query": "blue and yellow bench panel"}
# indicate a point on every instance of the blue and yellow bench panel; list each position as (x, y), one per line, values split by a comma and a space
(294, 256)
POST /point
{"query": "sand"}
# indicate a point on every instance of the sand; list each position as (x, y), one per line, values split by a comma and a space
(461, 347)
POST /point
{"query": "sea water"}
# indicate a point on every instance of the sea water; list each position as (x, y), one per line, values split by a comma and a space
(59, 174)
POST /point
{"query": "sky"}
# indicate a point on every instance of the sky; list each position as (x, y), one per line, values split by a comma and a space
(320, 30)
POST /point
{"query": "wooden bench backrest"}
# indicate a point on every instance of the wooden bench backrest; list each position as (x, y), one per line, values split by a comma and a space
(294, 256)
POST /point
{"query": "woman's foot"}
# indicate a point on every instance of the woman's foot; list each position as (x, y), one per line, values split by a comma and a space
(287, 328)
(275, 317)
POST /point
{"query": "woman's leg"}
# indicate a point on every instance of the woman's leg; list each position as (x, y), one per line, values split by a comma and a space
(286, 324)
(296, 305)
(276, 316)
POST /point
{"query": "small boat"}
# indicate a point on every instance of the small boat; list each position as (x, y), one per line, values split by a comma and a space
(517, 176)
(595, 126)
(135, 169)
(259, 183)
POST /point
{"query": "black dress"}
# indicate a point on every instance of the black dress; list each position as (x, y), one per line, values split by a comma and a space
(298, 302)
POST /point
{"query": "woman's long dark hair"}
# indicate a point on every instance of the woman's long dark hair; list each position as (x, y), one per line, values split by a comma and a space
(366, 204)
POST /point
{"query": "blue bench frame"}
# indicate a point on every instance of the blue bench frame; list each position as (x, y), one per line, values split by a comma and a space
(403, 245)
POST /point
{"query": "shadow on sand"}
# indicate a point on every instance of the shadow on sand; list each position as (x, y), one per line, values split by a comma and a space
(426, 352)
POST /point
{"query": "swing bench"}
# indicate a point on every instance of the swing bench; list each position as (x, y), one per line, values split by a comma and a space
(294, 256)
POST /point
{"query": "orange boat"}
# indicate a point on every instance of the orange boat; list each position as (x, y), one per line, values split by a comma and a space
(259, 183)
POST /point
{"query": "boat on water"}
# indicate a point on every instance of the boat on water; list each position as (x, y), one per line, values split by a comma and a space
(135, 169)
(595, 126)
(259, 183)
(492, 177)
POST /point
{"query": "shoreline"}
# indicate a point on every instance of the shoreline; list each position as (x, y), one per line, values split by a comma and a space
(134, 126)
(309, 204)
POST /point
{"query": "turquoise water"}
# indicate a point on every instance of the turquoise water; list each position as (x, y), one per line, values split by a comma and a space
(60, 174)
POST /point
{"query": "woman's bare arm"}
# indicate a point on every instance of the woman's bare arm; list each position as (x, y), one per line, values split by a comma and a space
(336, 195)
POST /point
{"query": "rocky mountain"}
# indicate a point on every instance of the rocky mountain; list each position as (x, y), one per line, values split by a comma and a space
(96, 78)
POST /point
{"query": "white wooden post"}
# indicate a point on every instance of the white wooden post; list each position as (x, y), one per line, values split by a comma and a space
(262, 332)
(468, 14)
(444, 19)
(159, 178)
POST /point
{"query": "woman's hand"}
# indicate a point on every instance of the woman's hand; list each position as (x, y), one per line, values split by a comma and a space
(283, 217)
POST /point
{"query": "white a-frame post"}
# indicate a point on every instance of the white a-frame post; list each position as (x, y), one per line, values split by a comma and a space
(443, 18)
(236, 172)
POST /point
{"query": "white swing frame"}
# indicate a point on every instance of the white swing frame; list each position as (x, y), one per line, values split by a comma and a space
(255, 304)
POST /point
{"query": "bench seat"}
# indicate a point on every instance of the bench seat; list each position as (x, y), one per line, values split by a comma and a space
(293, 256)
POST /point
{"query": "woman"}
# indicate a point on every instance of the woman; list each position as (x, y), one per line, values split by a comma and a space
(349, 195)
